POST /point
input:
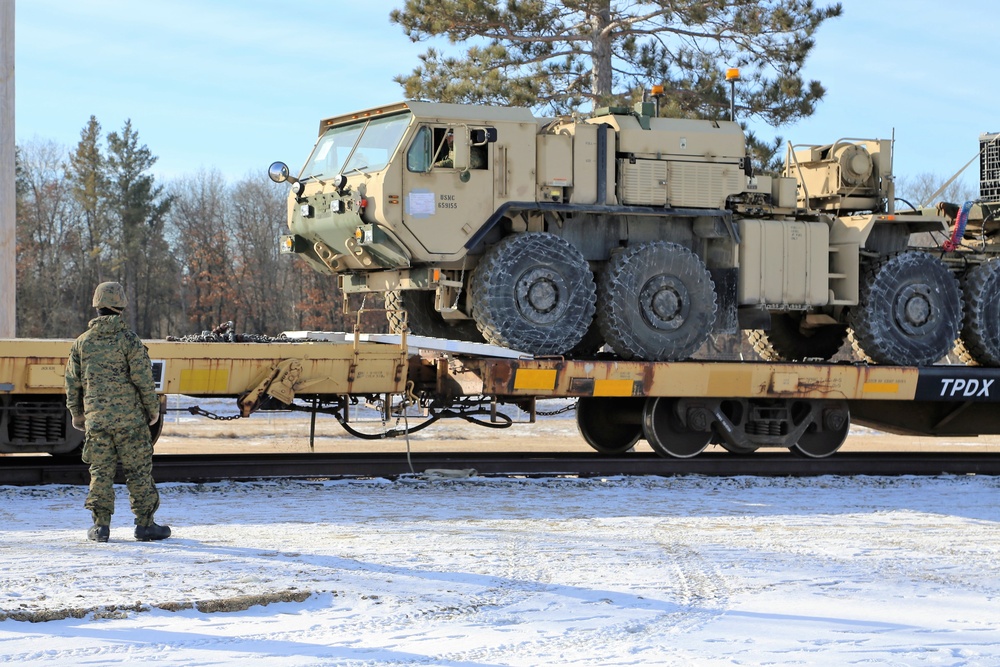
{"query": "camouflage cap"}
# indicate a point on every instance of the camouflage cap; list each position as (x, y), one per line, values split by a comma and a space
(110, 295)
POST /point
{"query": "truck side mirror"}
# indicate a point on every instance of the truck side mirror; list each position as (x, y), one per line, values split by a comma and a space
(483, 135)
(278, 172)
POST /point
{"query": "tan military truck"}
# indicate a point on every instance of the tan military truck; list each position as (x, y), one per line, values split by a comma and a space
(555, 236)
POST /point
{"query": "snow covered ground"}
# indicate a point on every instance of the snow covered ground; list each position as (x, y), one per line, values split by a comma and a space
(507, 571)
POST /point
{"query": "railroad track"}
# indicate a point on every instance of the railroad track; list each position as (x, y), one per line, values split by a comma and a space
(33, 471)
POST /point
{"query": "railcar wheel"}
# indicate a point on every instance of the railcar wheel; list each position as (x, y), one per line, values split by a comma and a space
(74, 455)
(909, 311)
(980, 339)
(823, 439)
(421, 319)
(610, 425)
(667, 434)
(735, 449)
(657, 302)
(787, 340)
(533, 292)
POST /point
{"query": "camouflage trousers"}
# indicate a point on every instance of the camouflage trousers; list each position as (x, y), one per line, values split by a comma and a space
(103, 449)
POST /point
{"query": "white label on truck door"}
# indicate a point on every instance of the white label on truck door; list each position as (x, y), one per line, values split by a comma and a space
(420, 204)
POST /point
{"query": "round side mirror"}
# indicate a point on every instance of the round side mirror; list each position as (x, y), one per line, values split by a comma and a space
(278, 172)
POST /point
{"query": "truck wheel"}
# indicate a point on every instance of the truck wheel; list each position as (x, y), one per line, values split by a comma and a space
(533, 292)
(786, 341)
(657, 302)
(592, 342)
(422, 319)
(590, 345)
(980, 340)
(909, 311)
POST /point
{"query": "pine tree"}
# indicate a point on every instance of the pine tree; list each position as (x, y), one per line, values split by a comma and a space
(139, 208)
(87, 177)
(559, 54)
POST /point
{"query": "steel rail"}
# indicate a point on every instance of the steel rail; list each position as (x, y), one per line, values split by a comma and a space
(34, 471)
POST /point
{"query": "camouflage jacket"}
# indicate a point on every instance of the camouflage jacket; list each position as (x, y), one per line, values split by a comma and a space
(109, 378)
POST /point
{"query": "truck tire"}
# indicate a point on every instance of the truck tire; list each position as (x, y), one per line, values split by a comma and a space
(422, 320)
(979, 344)
(656, 302)
(786, 341)
(533, 292)
(909, 311)
(590, 345)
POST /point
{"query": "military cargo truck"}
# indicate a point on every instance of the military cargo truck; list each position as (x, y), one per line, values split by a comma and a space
(556, 236)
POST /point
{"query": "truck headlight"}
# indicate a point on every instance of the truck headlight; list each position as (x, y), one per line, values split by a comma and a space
(365, 234)
(292, 243)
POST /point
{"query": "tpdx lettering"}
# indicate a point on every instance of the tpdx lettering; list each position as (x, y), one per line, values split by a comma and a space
(961, 387)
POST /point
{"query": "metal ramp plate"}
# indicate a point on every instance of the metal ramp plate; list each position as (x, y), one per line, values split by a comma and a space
(413, 343)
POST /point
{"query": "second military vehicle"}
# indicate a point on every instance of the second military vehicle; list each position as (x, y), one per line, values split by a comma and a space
(556, 236)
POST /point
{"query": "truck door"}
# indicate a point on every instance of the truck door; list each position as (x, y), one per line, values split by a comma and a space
(448, 185)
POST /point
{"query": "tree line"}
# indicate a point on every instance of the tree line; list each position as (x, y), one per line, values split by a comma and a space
(192, 254)
(198, 251)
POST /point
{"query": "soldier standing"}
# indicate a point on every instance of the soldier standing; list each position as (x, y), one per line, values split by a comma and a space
(111, 395)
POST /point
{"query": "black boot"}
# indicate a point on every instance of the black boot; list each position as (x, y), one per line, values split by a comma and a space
(99, 533)
(152, 532)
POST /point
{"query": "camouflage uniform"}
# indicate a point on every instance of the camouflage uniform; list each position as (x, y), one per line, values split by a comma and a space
(109, 381)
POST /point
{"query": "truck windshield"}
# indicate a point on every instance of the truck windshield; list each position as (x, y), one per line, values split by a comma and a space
(364, 146)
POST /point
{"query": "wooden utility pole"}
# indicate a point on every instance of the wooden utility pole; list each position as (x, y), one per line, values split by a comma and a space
(8, 252)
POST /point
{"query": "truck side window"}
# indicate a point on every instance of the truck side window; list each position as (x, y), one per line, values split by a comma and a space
(477, 157)
(439, 142)
(444, 153)
(418, 158)
(444, 148)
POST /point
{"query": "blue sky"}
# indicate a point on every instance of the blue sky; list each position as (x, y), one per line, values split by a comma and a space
(234, 85)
